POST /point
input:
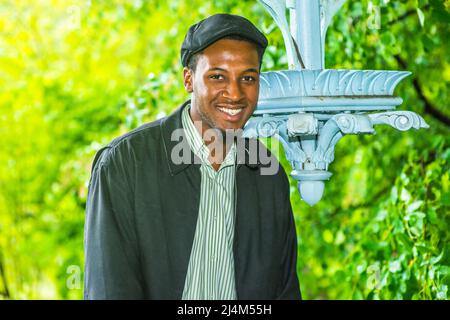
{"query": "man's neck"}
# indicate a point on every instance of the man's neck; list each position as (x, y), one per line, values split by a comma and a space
(215, 140)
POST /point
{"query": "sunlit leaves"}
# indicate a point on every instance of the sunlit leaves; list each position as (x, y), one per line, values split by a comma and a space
(74, 76)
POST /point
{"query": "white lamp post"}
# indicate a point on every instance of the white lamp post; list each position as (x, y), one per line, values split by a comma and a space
(310, 108)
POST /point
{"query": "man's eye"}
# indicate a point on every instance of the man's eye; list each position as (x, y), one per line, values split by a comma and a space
(249, 78)
(216, 76)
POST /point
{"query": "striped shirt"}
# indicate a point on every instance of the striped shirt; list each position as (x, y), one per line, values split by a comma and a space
(210, 274)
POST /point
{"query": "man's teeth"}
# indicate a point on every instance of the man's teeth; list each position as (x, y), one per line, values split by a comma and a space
(231, 112)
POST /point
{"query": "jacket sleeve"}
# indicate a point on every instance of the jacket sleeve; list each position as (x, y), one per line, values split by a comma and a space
(112, 268)
(289, 288)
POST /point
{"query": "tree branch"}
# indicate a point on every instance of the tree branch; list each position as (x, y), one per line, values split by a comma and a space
(360, 205)
(5, 292)
(407, 14)
(429, 107)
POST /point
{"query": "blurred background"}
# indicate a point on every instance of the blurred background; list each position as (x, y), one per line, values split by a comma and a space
(76, 74)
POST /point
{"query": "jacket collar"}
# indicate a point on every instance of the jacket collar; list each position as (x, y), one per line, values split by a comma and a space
(173, 122)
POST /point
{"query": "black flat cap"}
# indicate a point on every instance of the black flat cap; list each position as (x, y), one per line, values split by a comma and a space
(216, 27)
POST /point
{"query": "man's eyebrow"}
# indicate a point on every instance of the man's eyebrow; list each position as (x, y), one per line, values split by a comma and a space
(221, 69)
(217, 69)
(252, 70)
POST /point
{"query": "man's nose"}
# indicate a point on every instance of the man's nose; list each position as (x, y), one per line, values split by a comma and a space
(233, 91)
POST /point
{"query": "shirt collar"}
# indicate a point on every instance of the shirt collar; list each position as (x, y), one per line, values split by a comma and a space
(192, 135)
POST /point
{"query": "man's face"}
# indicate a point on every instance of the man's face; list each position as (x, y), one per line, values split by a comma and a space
(224, 85)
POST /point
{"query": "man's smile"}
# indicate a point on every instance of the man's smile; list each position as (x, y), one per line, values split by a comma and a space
(232, 113)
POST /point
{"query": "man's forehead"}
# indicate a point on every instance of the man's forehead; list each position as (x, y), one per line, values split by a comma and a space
(224, 56)
(235, 51)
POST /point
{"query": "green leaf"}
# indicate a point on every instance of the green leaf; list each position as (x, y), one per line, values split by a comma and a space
(443, 270)
(435, 260)
(394, 266)
(328, 236)
(421, 16)
(445, 199)
(414, 206)
(432, 216)
(405, 196)
(357, 295)
(441, 293)
(398, 227)
(394, 194)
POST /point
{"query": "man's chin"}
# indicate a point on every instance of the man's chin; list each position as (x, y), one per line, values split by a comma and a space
(230, 129)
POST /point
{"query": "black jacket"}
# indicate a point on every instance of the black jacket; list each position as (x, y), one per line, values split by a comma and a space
(141, 217)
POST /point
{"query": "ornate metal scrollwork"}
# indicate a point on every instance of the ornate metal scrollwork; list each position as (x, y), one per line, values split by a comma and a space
(400, 120)
(310, 108)
(302, 124)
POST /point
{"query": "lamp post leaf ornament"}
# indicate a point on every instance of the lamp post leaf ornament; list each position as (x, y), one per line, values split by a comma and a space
(309, 108)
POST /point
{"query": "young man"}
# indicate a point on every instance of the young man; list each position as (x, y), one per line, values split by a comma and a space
(208, 226)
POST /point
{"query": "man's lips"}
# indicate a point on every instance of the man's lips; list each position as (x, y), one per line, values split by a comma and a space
(231, 106)
(231, 110)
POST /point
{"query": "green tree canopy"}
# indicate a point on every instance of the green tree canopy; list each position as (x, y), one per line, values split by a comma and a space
(75, 74)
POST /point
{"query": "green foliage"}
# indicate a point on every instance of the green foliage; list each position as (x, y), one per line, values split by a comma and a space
(382, 230)
(74, 75)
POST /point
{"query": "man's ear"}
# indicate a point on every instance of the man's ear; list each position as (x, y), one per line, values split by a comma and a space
(188, 79)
